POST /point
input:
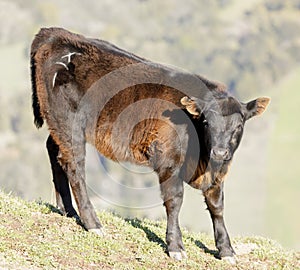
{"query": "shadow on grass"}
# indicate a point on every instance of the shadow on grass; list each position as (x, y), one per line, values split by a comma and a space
(200, 245)
(153, 237)
(136, 223)
(52, 208)
(56, 210)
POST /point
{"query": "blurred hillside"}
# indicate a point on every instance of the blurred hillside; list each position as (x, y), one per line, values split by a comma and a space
(252, 46)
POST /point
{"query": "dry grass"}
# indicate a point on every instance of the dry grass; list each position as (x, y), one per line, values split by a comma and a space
(33, 236)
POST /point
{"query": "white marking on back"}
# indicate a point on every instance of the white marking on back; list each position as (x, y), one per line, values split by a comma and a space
(69, 55)
(54, 78)
(63, 64)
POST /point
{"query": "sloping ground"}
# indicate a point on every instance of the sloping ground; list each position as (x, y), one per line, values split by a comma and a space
(34, 236)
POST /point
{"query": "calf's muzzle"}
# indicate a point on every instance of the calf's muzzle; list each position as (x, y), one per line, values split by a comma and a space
(220, 154)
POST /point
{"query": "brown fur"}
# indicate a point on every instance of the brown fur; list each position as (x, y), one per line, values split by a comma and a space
(96, 59)
(132, 109)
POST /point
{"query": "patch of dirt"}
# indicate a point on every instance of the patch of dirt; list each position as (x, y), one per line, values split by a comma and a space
(243, 249)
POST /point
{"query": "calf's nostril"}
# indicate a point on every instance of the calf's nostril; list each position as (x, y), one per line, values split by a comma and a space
(220, 153)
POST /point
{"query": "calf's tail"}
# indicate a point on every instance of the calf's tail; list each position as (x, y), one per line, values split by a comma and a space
(44, 36)
(38, 119)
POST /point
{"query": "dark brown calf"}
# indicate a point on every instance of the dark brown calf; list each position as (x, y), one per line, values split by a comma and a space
(184, 126)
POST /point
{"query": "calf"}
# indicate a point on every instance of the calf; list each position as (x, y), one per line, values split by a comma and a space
(182, 125)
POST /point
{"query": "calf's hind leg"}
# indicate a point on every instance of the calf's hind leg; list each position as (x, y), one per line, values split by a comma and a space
(74, 165)
(61, 182)
(72, 170)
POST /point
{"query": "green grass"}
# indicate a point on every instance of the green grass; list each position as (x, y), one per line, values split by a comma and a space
(34, 236)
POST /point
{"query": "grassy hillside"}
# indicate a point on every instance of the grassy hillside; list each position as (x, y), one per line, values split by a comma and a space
(249, 45)
(34, 236)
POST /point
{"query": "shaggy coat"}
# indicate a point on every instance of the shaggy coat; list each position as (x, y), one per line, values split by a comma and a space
(183, 125)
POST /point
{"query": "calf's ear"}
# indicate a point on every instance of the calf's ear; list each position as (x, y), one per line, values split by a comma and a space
(190, 105)
(256, 107)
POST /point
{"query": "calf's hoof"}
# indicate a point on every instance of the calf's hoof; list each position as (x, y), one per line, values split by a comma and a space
(77, 219)
(178, 255)
(99, 231)
(230, 259)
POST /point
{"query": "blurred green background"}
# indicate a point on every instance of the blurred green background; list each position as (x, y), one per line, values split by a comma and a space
(252, 46)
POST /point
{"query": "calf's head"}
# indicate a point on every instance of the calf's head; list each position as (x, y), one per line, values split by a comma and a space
(222, 122)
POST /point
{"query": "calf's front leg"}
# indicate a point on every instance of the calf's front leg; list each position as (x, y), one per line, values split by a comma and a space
(172, 194)
(214, 198)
